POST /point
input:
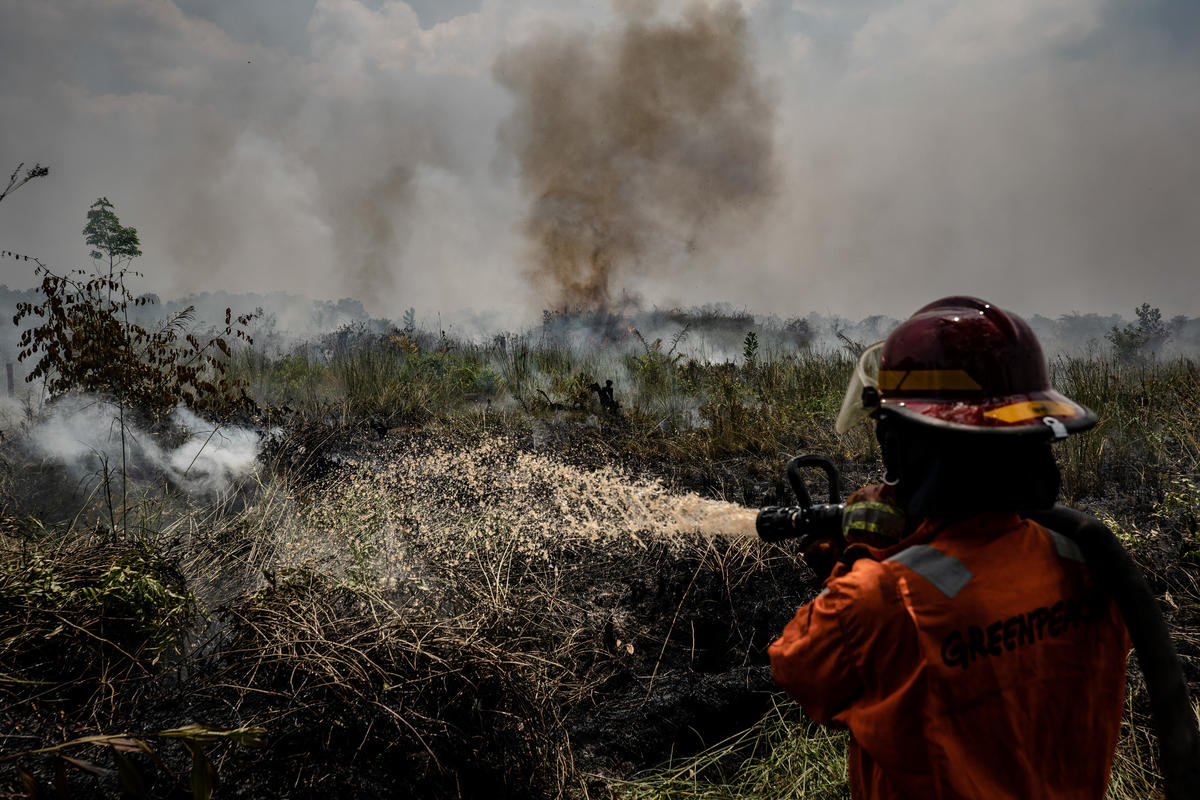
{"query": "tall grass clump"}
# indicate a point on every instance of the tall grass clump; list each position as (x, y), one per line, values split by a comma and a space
(391, 379)
(783, 755)
(301, 379)
(1148, 434)
(782, 404)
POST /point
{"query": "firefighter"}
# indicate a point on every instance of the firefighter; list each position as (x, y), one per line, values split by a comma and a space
(963, 645)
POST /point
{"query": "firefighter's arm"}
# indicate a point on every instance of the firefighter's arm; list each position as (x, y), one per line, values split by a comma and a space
(871, 517)
(811, 661)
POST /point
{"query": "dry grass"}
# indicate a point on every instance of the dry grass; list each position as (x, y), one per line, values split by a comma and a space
(442, 694)
(781, 756)
(442, 605)
(786, 756)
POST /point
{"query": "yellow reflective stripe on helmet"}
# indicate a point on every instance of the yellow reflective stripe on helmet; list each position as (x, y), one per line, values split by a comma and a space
(860, 525)
(926, 380)
(1019, 412)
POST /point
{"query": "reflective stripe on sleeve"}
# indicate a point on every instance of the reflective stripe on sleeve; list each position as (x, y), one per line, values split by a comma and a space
(874, 505)
(873, 517)
(945, 572)
(1066, 548)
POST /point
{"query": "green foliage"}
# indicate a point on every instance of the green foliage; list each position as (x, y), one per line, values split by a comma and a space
(655, 371)
(82, 338)
(33, 579)
(1181, 500)
(750, 348)
(138, 590)
(1142, 341)
(108, 237)
(573, 390)
(146, 606)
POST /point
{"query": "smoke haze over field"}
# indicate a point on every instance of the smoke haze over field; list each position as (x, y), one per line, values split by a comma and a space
(633, 147)
(845, 156)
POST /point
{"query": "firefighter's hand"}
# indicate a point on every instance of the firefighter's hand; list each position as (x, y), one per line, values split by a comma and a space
(873, 517)
(822, 554)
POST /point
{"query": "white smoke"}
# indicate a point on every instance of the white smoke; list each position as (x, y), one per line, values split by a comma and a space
(213, 456)
(84, 434)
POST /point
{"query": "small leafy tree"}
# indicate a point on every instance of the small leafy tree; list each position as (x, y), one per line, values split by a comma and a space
(1141, 341)
(83, 339)
(750, 349)
(111, 240)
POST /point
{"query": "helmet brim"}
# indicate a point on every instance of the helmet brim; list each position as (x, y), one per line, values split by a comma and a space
(1015, 414)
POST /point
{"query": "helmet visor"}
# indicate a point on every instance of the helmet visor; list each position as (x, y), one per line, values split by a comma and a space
(866, 375)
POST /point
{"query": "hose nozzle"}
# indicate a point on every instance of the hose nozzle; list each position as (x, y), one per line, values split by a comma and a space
(822, 520)
(776, 523)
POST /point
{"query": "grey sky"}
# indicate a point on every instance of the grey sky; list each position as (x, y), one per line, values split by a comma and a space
(1041, 153)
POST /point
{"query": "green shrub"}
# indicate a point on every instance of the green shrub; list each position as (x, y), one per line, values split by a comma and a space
(132, 593)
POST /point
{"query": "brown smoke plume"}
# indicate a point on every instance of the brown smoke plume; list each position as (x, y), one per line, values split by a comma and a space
(634, 145)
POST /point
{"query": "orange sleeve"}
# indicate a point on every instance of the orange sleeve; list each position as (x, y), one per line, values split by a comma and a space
(874, 492)
(810, 660)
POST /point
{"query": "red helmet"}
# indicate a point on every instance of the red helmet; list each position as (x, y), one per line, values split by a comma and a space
(962, 364)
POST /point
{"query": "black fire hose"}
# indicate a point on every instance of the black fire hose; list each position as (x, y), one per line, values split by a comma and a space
(1113, 569)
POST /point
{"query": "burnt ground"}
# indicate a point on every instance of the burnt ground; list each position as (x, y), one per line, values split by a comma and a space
(622, 657)
(636, 653)
(703, 678)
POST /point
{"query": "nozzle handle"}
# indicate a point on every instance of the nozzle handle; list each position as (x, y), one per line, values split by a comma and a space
(796, 478)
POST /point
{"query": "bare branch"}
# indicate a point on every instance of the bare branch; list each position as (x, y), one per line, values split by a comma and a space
(17, 180)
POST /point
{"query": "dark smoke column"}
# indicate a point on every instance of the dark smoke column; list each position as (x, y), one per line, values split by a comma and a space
(634, 145)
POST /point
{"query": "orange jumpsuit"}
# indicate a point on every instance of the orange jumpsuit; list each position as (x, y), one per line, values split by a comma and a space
(971, 660)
